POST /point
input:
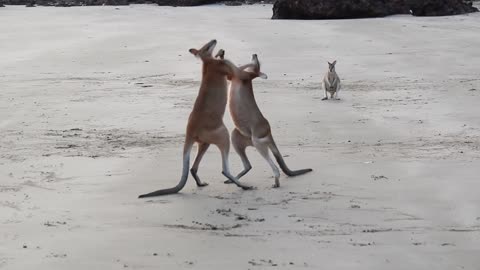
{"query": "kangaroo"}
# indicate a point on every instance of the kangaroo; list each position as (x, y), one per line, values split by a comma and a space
(251, 127)
(205, 124)
(331, 82)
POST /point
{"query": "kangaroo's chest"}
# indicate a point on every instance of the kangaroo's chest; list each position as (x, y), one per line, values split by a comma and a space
(212, 97)
(240, 106)
(332, 82)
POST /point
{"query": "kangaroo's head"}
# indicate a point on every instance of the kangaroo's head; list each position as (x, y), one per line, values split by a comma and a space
(213, 66)
(254, 68)
(206, 51)
(331, 66)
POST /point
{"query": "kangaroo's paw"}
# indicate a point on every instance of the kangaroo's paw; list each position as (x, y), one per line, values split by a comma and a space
(202, 184)
(277, 183)
(236, 181)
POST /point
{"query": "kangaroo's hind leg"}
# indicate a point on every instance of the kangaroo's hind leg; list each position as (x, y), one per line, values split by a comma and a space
(262, 148)
(221, 139)
(240, 143)
(202, 148)
(326, 95)
(336, 92)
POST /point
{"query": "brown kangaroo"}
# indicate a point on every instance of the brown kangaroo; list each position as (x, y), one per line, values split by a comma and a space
(251, 127)
(205, 124)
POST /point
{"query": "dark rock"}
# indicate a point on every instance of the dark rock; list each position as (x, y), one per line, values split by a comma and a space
(441, 7)
(13, 2)
(185, 3)
(251, 2)
(69, 3)
(106, 2)
(335, 9)
(397, 6)
(142, 2)
(52, 3)
(189, 3)
(64, 4)
(233, 3)
(350, 9)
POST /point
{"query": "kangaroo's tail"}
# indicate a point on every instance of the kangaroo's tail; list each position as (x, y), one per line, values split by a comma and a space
(186, 165)
(283, 165)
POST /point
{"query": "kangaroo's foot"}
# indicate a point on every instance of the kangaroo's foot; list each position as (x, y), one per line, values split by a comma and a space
(277, 183)
(240, 175)
(197, 179)
(325, 98)
(244, 187)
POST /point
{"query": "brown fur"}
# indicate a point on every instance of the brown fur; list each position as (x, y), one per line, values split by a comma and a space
(251, 127)
(205, 124)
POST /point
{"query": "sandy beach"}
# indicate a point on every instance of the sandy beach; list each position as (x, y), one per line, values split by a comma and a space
(93, 107)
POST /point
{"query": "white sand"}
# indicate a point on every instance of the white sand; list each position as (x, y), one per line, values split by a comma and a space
(80, 139)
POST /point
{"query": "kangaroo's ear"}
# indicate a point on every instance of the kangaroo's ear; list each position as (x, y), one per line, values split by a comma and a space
(220, 54)
(194, 52)
(329, 63)
(334, 62)
(262, 75)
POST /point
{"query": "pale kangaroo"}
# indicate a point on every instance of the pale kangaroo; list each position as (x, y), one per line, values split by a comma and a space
(251, 128)
(331, 82)
(205, 124)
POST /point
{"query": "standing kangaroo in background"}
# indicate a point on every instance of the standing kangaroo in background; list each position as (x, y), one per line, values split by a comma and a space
(251, 128)
(205, 124)
(331, 82)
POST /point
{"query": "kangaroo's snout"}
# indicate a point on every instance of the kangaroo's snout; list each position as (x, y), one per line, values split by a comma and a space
(206, 51)
(211, 45)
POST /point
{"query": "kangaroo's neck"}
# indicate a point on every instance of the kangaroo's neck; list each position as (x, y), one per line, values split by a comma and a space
(242, 90)
(241, 96)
